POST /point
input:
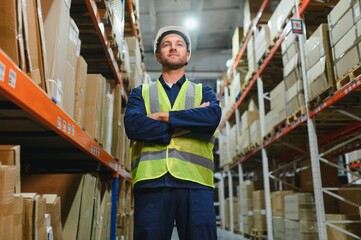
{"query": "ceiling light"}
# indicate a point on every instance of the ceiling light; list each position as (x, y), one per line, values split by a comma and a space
(191, 23)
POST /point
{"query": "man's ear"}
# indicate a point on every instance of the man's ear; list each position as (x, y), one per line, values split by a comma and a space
(188, 56)
(157, 56)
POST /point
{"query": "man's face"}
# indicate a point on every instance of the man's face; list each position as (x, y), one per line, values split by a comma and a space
(173, 52)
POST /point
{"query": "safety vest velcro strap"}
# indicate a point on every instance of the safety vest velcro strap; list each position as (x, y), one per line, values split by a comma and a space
(173, 153)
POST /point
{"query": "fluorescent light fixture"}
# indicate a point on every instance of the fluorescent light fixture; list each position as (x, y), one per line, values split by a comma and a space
(191, 23)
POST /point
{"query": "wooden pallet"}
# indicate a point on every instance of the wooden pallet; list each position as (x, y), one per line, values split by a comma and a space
(353, 73)
(294, 116)
(316, 101)
(280, 126)
(257, 233)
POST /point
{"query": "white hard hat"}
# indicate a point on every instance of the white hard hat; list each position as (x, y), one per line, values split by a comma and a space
(181, 31)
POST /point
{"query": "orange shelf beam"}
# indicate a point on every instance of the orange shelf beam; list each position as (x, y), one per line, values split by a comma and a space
(16, 86)
(244, 45)
(277, 45)
(93, 10)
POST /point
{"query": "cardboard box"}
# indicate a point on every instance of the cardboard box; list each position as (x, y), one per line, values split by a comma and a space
(7, 183)
(317, 46)
(297, 103)
(259, 219)
(33, 43)
(56, 36)
(80, 90)
(248, 223)
(278, 19)
(255, 132)
(349, 60)
(248, 117)
(69, 81)
(320, 77)
(250, 10)
(34, 216)
(335, 234)
(236, 41)
(53, 207)
(258, 200)
(292, 229)
(251, 57)
(118, 128)
(300, 206)
(277, 202)
(9, 30)
(95, 90)
(342, 27)
(340, 9)
(344, 44)
(77, 195)
(278, 228)
(262, 41)
(10, 155)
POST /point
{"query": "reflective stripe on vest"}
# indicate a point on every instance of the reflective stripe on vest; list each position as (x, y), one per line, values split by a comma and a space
(173, 153)
(188, 156)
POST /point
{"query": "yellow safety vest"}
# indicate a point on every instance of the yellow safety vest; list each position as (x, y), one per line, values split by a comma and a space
(187, 157)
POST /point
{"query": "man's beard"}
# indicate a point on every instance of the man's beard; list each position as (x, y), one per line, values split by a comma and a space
(173, 65)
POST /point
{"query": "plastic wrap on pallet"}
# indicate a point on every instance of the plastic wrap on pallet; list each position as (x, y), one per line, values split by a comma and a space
(279, 18)
(262, 41)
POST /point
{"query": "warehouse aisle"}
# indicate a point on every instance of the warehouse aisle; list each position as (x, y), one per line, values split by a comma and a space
(222, 235)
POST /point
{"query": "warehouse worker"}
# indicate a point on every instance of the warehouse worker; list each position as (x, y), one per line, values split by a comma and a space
(172, 124)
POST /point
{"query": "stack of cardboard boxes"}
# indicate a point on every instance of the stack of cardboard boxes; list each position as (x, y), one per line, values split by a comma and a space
(228, 212)
(344, 26)
(300, 216)
(262, 41)
(135, 59)
(125, 223)
(292, 75)
(278, 213)
(277, 113)
(279, 18)
(246, 195)
(249, 134)
(319, 63)
(259, 211)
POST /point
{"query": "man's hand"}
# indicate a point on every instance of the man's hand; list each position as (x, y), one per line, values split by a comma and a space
(160, 116)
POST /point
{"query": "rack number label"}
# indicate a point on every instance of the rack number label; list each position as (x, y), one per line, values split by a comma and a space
(58, 123)
(95, 150)
(12, 78)
(2, 72)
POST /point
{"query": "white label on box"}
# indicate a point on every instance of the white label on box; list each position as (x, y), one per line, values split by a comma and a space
(2, 71)
(73, 130)
(12, 78)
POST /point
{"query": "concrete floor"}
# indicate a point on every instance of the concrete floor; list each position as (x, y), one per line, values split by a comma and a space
(222, 235)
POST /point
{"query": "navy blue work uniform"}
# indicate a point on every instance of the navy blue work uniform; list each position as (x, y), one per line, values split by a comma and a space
(160, 202)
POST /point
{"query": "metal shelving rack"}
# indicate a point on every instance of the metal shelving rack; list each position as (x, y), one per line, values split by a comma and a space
(332, 137)
(55, 130)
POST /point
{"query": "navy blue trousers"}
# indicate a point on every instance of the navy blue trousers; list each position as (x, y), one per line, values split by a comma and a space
(157, 209)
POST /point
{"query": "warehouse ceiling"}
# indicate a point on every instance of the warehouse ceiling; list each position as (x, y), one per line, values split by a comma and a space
(211, 40)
